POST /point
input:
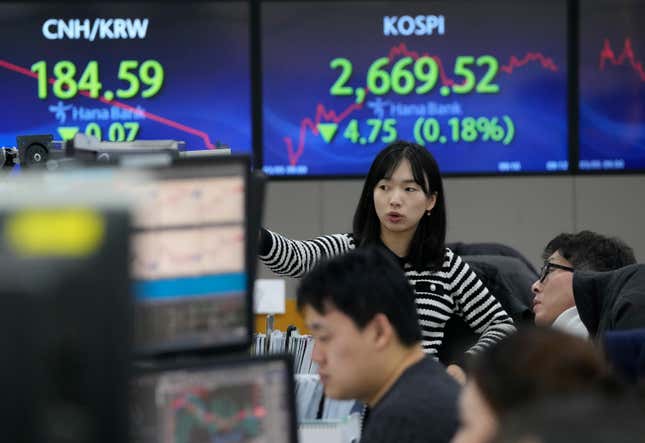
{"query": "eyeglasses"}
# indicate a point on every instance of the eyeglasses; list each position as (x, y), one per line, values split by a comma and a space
(547, 267)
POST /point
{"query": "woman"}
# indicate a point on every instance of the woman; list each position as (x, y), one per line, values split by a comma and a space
(533, 365)
(402, 208)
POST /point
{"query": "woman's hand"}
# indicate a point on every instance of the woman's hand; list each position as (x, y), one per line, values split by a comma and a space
(457, 373)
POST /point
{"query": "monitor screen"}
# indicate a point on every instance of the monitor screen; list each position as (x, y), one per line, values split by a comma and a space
(190, 256)
(126, 71)
(66, 313)
(483, 85)
(612, 85)
(249, 400)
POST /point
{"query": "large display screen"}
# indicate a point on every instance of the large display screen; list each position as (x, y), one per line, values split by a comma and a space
(612, 85)
(483, 85)
(125, 71)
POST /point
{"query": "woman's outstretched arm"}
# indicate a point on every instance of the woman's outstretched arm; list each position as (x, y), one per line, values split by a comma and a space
(295, 257)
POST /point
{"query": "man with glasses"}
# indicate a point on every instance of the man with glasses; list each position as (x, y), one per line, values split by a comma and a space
(554, 303)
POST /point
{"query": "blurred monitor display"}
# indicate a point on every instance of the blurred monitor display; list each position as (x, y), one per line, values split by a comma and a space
(612, 85)
(189, 259)
(483, 85)
(127, 71)
(244, 401)
(66, 312)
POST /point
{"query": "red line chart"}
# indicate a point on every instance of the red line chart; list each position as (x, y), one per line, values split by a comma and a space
(626, 57)
(150, 116)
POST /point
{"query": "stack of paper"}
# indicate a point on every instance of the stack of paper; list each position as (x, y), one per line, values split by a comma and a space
(347, 430)
(309, 393)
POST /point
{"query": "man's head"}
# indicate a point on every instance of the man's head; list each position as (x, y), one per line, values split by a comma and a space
(590, 417)
(521, 369)
(361, 311)
(584, 251)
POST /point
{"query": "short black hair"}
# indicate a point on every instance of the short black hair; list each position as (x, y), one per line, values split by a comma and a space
(591, 417)
(427, 248)
(590, 251)
(361, 284)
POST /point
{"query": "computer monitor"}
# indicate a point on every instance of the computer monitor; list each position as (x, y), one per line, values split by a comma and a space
(66, 312)
(19, 420)
(192, 263)
(483, 85)
(124, 71)
(241, 400)
(612, 86)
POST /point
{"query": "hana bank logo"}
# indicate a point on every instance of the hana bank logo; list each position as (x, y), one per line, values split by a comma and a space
(99, 28)
(405, 25)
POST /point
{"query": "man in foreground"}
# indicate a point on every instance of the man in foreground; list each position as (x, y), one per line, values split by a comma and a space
(361, 311)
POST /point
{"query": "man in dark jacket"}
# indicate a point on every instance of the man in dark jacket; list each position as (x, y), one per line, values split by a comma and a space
(554, 304)
(608, 301)
(361, 311)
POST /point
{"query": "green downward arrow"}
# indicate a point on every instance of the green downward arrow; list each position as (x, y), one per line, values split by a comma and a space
(67, 132)
(327, 130)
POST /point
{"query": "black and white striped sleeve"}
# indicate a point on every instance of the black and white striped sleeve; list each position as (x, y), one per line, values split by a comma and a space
(479, 308)
(295, 257)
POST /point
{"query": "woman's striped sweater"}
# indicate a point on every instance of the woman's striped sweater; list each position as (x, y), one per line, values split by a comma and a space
(453, 290)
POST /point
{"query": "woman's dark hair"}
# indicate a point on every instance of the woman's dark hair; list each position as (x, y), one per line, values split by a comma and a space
(537, 363)
(427, 248)
(589, 417)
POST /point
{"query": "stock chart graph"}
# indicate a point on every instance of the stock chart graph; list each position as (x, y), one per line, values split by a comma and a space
(121, 72)
(612, 86)
(481, 95)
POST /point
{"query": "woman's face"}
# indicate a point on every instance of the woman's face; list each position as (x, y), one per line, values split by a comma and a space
(400, 202)
(478, 423)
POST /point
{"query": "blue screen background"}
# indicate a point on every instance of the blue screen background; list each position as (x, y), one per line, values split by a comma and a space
(203, 48)
(612, 86)
(300, 39)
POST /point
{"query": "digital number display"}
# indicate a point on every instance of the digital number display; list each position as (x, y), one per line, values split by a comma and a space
(482, 86)
(122, 72)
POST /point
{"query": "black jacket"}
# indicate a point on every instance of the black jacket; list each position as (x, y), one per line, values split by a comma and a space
(612, 300)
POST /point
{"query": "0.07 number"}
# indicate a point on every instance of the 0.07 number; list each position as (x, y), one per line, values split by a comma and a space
(117, 132)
